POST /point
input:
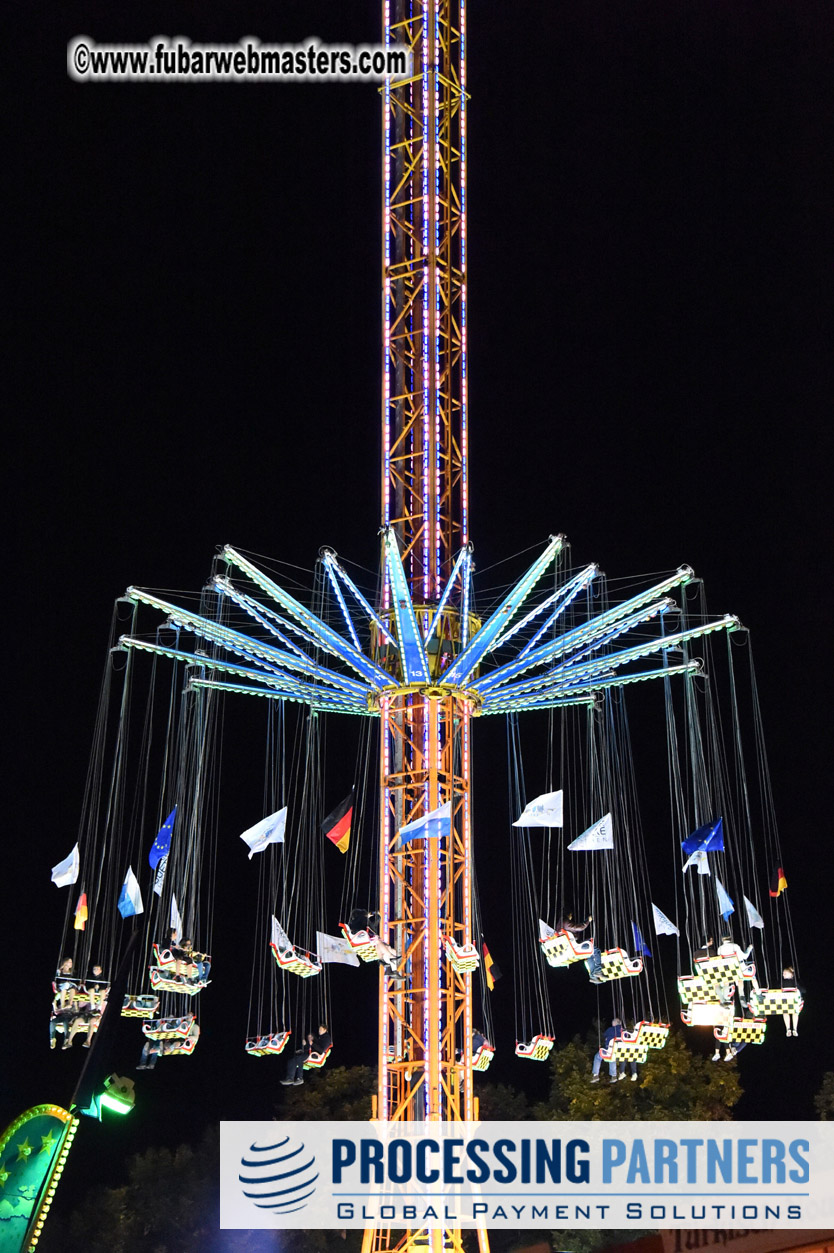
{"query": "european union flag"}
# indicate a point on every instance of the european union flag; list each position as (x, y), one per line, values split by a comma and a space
(710, 838)
(162, 843)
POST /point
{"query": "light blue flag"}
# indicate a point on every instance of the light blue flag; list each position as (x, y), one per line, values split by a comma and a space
(725, 905)
(662, 924)
(130, 897)
(753, 916)
(431, 826)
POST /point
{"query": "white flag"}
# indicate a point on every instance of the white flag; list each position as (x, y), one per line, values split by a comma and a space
(176, 920)
(332, 948)
(66, 872)
(600, 835)
(544, 811)
(662, 924)
(130, 897)
(279, 936)
(699, 859)
(432, 826)
(545, 932)
(160, 875)
(753, 916)
(268, 831)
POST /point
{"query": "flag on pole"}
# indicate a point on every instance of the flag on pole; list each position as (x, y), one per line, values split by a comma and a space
(662, 924)
(710, 838)
(162, 844)
(176, 920)
(641, 949)
(544, 811)
(600, 835)
(753, 916)
(725, 905)
(432, 826)
(158, 856)
(268, 831)
(698, 858)
(777, 884)
(278, 935)
(493, 974)
(332, 948)
(66, 872)
(81, 913)
(130, 897)
(336, 826)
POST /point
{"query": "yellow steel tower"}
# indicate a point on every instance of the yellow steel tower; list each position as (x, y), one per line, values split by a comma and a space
(425, 1020)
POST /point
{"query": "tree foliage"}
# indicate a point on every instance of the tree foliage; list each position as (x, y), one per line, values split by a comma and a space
(343, 1092)
(674, 1084)
(824, 1099)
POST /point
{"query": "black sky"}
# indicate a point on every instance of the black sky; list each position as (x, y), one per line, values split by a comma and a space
(195, 360)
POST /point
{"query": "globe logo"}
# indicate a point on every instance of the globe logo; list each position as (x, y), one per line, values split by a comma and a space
(278, 1177)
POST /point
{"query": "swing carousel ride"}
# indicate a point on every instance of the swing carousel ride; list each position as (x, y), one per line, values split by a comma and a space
(415, 656)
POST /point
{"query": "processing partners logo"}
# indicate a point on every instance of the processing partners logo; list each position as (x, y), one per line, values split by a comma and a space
(345, 1175)
(279, 1177)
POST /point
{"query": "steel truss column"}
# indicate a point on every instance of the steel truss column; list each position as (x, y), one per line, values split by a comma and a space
(425, 1022)
(425, 470)
(425, 1018)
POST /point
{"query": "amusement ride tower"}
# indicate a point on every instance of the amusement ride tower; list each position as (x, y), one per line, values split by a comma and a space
(425, 885)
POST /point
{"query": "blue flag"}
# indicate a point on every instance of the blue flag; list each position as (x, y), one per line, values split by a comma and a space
(162, 843)
(725, 905)
(640, 946)
(130, 897)
(709, 838)
(432, 826)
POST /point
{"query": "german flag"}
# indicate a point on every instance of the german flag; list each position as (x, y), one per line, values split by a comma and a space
(778, 883)
(336, 826)
(490, 969)
(81, 913)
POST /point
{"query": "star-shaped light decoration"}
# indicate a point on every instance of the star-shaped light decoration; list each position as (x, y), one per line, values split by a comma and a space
(47, 1143)
(24, 1150)
(4, 1174)
(565, 649)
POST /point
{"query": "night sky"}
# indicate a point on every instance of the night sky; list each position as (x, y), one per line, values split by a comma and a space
(196, 360)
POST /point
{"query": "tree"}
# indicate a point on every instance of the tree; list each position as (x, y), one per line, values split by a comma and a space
(674, 1084)
(498, 1102)
(343, 1092)
(824, 1099)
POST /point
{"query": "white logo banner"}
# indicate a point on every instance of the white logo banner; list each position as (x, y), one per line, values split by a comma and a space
(517, 1174)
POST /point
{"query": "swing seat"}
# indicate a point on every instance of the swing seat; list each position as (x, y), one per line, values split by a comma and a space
(186, 1046)
(482, 1057)
(316, 1060)
(164, 981)
(717, 972)
(142, 1006)
(464, 958)
(561, 948)
(301, 964)
(707, 1014)
(653, 1034)
(766, 1001)
(626, 1049)
(168, 1028)
(361, 943)
(537, 1049)
(616, 964)
(267, 1045)
(742, 1031)
(710, 989)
